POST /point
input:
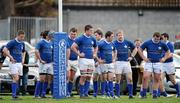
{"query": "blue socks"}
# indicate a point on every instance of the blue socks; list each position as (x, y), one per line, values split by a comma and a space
(38, 88)
(130, 89)
(70, 87)
(111, 91)
(14, 89)
(103, 86)
(81, 89)
(44, 87)
(177, 89)
(143, 92)
(51, 87)
(86, 87)
(117, 87)
(95, 87)
(154, 93)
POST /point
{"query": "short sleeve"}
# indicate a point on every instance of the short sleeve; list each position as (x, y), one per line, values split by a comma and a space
(131, 45)
(171, 47)
(23, 47)
(95, 43)
(9, 44)
(78, 41)
(165, 47)
(144, 45)
(38, 46)
(68, 45)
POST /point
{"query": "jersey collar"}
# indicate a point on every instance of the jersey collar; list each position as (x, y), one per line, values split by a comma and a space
(154, 41)
(120, 41)
(107, 41)
(18, 40)
(46, 40)
(86, 36)
(71, 39)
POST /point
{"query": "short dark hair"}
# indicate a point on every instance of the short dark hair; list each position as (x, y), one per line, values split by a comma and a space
(108, 34)
(19, 32)
(156, 34)
(73, 29)
(165, 35)
(138, 39)
(45, 33)
(99, 32)
(41, 34)
(87, 27)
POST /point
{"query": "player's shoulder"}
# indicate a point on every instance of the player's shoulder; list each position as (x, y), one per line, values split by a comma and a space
(127, 41)
(115, 42)
(148, 41)
(170, 43)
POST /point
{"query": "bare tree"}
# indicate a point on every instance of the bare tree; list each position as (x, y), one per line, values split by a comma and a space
(6, 8)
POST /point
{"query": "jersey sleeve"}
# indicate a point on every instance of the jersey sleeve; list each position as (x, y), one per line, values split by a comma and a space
(132, 46)
(10, 44)
(38, 46)
(23, 50)
(144, 45)
(114, 47)
(166, 48)
(68, 45)
(95, 43)
(171, 47)
(99, 46)
(78, 41)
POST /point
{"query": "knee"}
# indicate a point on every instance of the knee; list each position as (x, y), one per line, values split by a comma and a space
(157, 79)
(145, 77)
(129, 80)
(118, 81)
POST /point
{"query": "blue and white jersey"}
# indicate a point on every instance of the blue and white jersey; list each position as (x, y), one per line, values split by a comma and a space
(98, 42)
(73, 55)
(46, 50)
(154, 50)
(171, 48)
(123, 49)
(86, 45)
(16, 48)
(106, 49)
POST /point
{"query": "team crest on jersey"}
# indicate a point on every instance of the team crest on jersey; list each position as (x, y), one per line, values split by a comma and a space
(159, 48)
(125, 46)
(21, 46)
(112, 47)
(92, 42)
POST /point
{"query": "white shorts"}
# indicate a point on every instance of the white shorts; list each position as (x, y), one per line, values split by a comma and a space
(73, 64)
(86, 66)
(98, 70)
(15, 68)
(46, 68)
(153, 67)
(122, 67)
(168, 68)
(107, 68)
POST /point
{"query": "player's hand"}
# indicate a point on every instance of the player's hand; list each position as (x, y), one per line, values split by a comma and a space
(43, 62)
(96, 64)
(81, 55)
(12, 60)
(94, 56)
(146, 59)
(130, 58)
(101, 61)
(162, 60)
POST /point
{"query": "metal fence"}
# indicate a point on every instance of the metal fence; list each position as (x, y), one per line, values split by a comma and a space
(32, 26)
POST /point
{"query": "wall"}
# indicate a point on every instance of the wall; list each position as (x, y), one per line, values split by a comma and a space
(133, 25)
